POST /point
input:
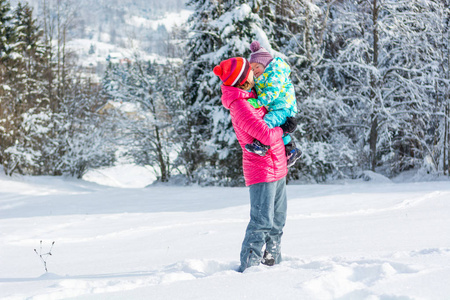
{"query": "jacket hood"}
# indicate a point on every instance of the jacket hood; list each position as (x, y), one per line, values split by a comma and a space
(231, 94)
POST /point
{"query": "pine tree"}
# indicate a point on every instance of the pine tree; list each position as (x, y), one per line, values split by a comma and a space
(7, 36)
(204, 41)
(24, 58)
(34, 54)
(7, 32)
(221, 30)
(46, 127)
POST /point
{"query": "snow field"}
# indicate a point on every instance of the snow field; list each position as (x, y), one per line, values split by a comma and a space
(343, 241)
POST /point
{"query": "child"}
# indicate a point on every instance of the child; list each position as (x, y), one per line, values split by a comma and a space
(276, 93)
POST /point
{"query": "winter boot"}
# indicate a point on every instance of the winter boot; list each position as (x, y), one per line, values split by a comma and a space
(257, 147)
(292, 153)
(268, 259)
(293, 156)
(250, 261)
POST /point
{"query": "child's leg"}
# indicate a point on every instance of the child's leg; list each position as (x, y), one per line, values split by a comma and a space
(276, 118)
(286, 138)
(257, 147)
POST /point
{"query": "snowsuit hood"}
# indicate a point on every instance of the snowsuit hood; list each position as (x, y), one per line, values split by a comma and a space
(248, 124)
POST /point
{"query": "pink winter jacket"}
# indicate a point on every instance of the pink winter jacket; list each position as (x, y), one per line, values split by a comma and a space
(248, 124)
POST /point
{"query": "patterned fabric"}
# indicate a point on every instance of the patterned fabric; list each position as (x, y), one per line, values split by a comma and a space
(248, 124)
(275, 89)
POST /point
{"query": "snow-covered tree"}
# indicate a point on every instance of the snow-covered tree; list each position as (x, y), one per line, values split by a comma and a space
(147, 130)
(382, 78)
(82, 141)
(46, 112)
(203, 41)
(220, 30)
(7, 36)
(24, 62)
(438, 135)
(306, 42)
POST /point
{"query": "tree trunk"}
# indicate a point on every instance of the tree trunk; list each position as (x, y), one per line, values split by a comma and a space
(373, 142)
(162, 163)
(373, 96)
(444, 167)
(445, 100)
(307, 33)
(447, 140)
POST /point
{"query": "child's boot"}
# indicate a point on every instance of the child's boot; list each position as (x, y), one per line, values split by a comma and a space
(292, 154)
(257, 147)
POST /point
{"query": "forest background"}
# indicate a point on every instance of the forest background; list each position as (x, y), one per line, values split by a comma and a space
(372, 80)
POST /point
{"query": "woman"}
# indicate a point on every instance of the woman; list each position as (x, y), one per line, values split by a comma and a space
(265, 175)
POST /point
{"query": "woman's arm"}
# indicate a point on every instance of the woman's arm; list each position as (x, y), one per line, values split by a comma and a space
(246, 119)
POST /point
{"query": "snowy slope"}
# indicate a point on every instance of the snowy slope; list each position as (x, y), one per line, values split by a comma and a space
(115, 31)
(355, 240)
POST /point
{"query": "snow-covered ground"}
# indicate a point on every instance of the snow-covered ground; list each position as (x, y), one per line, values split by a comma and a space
(95, 53)
(353, 240)
(169, 20)
(136, 176)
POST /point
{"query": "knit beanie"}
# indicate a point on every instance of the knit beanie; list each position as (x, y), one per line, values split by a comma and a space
(233, 71)
(259, 54)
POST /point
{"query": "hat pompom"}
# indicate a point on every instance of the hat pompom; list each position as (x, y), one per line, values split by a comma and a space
(255, 46)
(218, 70)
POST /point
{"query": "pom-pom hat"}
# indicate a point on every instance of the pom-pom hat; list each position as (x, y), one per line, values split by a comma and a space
(233, 71)
(259, 54)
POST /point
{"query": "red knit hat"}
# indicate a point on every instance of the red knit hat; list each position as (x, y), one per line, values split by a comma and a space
(233, 71)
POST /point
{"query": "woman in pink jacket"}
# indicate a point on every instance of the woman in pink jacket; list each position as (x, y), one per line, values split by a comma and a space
(265, 175)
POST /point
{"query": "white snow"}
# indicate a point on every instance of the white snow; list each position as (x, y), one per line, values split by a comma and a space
(136, 176)
(354, 240)
(169, 20)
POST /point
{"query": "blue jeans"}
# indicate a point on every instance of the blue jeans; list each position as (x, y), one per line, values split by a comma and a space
(267, 218)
